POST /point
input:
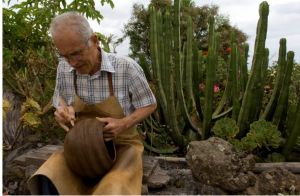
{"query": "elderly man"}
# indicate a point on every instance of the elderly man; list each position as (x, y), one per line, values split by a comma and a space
(88, 79)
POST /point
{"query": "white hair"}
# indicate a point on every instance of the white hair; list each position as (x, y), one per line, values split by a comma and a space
(74, 20)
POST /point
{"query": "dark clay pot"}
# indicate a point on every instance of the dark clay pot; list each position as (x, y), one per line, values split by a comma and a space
(85, 150)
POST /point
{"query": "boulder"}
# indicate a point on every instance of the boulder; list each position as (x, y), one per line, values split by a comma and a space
(216, 162)
(277, 180)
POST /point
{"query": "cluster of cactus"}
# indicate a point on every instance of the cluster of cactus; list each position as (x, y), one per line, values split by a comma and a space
(177, 113)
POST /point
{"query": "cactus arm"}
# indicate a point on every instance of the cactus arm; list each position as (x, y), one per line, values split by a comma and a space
(145, 66)
(216, 47)
(253, 83)
(263, 81)
(160, 45)
(180, 96)
(189, 75)
(168, 61)
(293, 134)
(198, 92)
(183, 66)
(270, 109)
(211, 31)
(209, 94)
(196, 78)
(283, 97)
(234, 75)
(244, 69)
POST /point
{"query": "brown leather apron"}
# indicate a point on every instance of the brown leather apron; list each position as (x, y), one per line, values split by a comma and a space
(125, 177)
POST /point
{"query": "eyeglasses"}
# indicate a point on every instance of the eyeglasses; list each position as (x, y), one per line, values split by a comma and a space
(74, 57)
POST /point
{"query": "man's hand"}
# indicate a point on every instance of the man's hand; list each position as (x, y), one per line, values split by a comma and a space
(112, 127)
(64, 117)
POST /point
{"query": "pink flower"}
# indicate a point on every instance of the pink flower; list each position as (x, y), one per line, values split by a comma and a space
(38, 90)
(151, 71)
(154, 133)
(202, 86)
(216, 89)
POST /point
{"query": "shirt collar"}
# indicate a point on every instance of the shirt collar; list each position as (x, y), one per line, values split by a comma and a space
(105, 64)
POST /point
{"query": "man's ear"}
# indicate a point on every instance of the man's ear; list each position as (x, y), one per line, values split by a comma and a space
(95, 41)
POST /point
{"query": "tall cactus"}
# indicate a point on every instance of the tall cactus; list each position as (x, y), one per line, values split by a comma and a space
(235, 92)
(281, 109)
(244, 68)
(254, 83)
(189, 60)
(269, 111)
(169, 115)
(293, 134)
(177, 47)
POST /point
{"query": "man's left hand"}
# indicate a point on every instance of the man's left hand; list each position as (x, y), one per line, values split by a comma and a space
(112, 128)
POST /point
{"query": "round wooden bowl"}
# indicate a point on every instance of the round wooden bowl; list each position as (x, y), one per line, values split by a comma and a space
(85, 150)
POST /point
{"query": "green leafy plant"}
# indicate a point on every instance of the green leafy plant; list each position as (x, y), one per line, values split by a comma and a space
(276, 157)
(5, 107)
(265, 134)
(226, 127)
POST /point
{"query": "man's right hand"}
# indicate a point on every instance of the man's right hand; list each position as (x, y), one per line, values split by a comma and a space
(64, 117)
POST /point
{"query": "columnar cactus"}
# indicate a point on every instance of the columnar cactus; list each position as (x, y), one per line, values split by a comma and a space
(250, 98)
(270, 109)
(282, 105)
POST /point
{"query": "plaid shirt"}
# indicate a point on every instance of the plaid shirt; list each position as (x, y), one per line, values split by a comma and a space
(129, 84)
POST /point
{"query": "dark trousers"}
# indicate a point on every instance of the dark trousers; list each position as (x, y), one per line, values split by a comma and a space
(47, 186)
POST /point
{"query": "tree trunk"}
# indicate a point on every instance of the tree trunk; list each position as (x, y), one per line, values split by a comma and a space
(11, 121)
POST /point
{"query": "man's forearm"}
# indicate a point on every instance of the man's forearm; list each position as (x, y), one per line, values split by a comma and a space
(139, 115)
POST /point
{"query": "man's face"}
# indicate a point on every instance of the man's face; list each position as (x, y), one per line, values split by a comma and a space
(69, 43)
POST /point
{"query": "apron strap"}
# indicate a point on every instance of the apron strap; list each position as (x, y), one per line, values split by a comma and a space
(111, 90)
(75, 81)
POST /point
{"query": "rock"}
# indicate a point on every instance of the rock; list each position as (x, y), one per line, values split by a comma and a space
(55, 142)
(30, 170)
(277, 180)
(34, 139)
(216, 162)
(17, 152)
(158, 179)
(12, 187)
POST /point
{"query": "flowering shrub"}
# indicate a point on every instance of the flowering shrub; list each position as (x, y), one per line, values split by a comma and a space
(216, 89)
